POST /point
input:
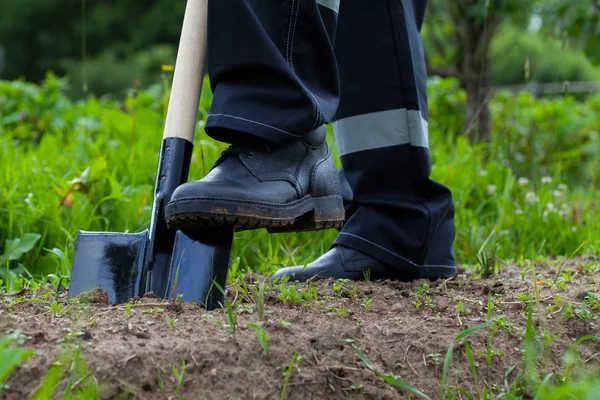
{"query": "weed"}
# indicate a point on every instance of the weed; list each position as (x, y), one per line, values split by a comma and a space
(128, 311)
(487, 263)
(341, 311)
(448, 359)
(433, 358)
(292, 294)
(460, 307)
(159, 380)
(356, 388)
(230, 316)
(388, 378)
(57, 309)
(261, 335)
(285, 324)
(367, 303)
(69, 364)
(423, 288)
(429, 302)
(287, 371)
(171, 321)
(525, 299)
(179, 376)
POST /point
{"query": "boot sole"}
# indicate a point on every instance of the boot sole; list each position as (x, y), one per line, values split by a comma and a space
(304, 215)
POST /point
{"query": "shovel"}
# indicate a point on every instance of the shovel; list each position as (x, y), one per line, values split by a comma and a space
(171, 264)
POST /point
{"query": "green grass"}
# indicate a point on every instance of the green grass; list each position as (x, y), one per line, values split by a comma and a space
(90, 165)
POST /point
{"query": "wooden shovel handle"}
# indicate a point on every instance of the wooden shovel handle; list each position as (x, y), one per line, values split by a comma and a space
(189, 73)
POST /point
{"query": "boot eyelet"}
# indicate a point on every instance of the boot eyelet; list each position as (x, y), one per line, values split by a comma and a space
(250, 155)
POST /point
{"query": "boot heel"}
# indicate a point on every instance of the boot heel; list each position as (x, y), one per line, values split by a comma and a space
(327, 213)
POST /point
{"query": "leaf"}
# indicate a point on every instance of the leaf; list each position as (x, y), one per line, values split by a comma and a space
(388, 378)
(98, 169)
(448, 358)
(16, 248)
(11, 357)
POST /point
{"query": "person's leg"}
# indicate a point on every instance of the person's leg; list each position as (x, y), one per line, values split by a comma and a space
(396, 216)
(275, 82)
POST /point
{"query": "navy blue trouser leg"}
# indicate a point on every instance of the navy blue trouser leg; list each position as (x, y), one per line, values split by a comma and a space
(272, 67)
(281, 68)
(394, 211)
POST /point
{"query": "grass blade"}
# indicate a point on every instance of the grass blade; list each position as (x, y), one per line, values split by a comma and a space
(389, 378)
(464, 334)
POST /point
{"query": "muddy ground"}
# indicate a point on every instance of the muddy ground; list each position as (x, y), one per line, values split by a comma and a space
(401, 328)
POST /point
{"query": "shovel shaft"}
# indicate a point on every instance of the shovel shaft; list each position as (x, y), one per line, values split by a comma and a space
(189, 72)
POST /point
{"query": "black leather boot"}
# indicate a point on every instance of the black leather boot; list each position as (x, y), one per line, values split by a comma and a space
(344, 263)
(255, 184)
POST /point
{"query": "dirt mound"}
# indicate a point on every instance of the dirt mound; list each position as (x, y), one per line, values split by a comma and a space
(156, 349)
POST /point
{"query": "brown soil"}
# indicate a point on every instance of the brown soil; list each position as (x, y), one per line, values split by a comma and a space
(126, 355)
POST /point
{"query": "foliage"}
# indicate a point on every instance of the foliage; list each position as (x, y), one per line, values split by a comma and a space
(518, 57)
(90, 165)
(577, 22)
(11, 357)
(120, 28)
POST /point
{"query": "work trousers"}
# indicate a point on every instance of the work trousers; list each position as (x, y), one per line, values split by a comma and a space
(282, 68)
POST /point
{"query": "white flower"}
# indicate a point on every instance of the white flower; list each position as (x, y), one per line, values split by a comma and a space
(574, 229)
(523, 181)
(482, 172)
(546, 179)
(562, 214)
(518, 211)
(491, 190)
(531, 198)
(562, 187)
(550, 207)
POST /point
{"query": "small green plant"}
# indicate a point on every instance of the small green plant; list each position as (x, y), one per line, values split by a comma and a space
(128, 311)
(56, 309)
(341, 311)
(460, 307)
(159, 380)
(487, 263)
(388, 378)
(433, 358)
(492, 334)
(291, 294)
(171, 321)
(179, 376)
(525, 300)
(367, 303)
(557, 305)
(287, 371)
(417, 304)
(261, 335)
(356, 388)
(230, 316)
(423, 288)
(285, 323)
(429, 302)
